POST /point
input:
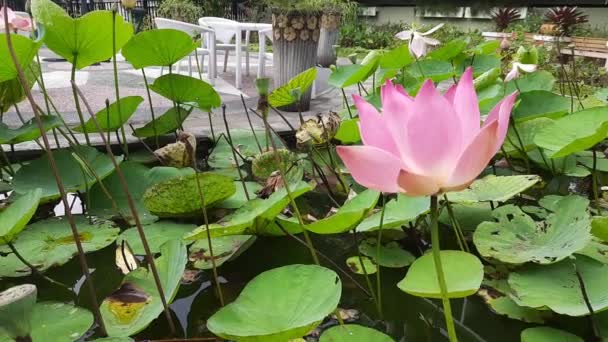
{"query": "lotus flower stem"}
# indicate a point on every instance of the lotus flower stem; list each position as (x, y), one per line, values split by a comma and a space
(462, 242)
(592, 322)
(46, 96)
(116, 87)
(436, 250)
(255, 137)
(37, 114)
(20, 116)
(378, 251)
(522, 148)
(138, 225)
(77, 102)
(8, 167)
(365, 274)
(238, 168)
(284, 119)
(143, 73)
(350, 114)
(595, 184)
(34, 270)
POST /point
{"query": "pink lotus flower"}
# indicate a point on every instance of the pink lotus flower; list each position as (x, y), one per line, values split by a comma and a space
(15, 22)
(425, 145)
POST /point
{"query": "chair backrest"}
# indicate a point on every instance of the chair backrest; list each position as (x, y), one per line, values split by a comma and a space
(267, 33)
(223, 34)
(191, 29)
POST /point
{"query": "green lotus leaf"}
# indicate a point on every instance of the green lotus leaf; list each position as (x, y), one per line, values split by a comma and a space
(64, 322)
(494, 188)
(540, 80)
(353, 333)
(158, 47)
(516, 238)
(28, 131)
(282, 96)
(25, 50)
(50, 242)
(180, 197)
(396, 58)
(115, 116)
(431, 69)
(239, 198)
(139, 178)
(157, 234)
(596, 249)
(11, 91)
(463, 275)
(557, 287)
(548, 334)
(497, 299)
(479, 63)
(468, 215)
(484, 48)
(348, 132)
(449, 50)
(348, 75)
(599, 227)
(254, 216)
(527, 131)
(136, 303)
(186, 90)
(14, 218)
(540, 104)
(278, 305)
(265, 164)
(245, 142)
(361, 265)
(396, 213)
(169, 122)
(225, 248)
(83, 41)
(573, 133)
(388, 255)
(487, 79)
(36, 174)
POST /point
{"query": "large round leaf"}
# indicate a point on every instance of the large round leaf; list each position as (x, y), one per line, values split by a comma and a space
(14, 218)
(37, 173)
(548, 334)
(279, 305)
(50, 243)
(448, 50)
(11, 91)
(517, 239)
(115, 116)
(225, 248)
(348, 75)
(389, 255)
(396, 58)
(156, 234)
(540, 103)
(180, 197)
(136, 303)
(540, 80)
(239, 199)
(25, 49)
(283, 96)
(468, 215)
(353, 333)
(495, 293)
(527, 131)
(82, 41)
(479, 63)
(493, 188)
(169, 122)
(396, 213)
(557, 287)
(158, 47)
(431, 69)
(245, 142)
(253, 217)
(573, 133)
(28, 131)
(463, 275)
(187, 90)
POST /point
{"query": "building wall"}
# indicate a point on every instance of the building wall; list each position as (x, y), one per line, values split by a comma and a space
(598, 17)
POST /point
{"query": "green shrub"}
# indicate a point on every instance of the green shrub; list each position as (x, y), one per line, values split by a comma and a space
(361, 34)
(182, 10)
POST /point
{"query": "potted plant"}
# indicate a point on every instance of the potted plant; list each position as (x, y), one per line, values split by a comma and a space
(560, 22)
(330, 28)
(296, 31)
(502, 17)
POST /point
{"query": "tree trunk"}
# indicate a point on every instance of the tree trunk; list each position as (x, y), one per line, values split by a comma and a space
(326, 53)
(296, 35)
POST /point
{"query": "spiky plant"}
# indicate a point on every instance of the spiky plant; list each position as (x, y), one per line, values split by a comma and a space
(503, 17)
(566, 18)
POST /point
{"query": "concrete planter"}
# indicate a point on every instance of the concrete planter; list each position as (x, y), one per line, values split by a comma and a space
(326, 52)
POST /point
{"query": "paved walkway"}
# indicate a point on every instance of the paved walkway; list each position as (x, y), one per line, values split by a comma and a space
(97, 83)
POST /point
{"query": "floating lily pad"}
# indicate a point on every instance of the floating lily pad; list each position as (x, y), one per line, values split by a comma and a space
(389, 255)
(363, 265)
(596, 249)
(180, 197)
(225, 248)
(279, 305)
(517, 239)
(157, 234)
(50, 242)
(239, 199)
(14, 218)
(468, 215)
(136, 303)
(556, 286)
(115, 116)
(463, 275)
(500, 303)
(139, 178)
(494, 188)
(265, 164)
(253, 217)
(548, 334)
(599, 227)
(396, 213)
(348, 216)
(158, 47)
(573, 133)
(37, 173)
(353, 333)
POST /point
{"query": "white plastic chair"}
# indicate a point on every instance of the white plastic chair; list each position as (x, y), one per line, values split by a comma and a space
(207, 34)
(262, 54)
(224, 36)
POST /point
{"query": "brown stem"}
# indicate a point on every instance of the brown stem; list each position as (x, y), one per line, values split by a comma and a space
(238, 168)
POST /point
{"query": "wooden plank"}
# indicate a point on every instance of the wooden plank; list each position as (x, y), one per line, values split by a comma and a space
(594, 54)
